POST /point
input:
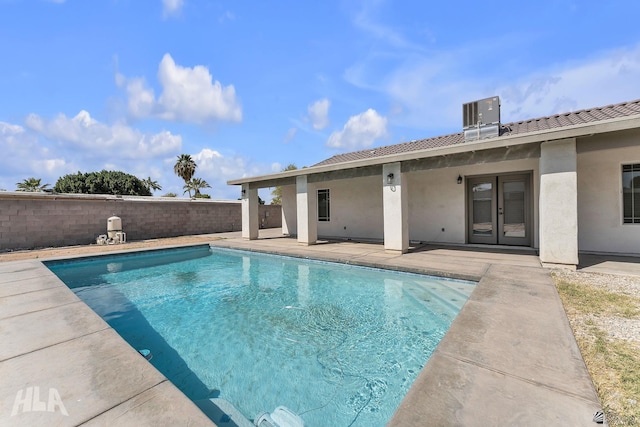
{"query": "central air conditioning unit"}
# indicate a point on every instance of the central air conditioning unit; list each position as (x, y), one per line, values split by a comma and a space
(481, 119)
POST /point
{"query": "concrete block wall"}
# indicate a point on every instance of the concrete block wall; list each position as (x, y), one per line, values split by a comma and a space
(36, 220)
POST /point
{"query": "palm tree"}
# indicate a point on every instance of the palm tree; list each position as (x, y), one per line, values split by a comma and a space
(151, 184)
(195, 184)
(185, 168)
(32, 185)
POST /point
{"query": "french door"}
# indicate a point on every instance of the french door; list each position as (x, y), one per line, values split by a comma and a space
(499, 209)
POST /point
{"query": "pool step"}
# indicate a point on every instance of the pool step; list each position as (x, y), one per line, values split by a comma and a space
(438, 295)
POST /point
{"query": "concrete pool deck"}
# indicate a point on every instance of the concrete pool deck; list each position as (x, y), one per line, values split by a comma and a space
(510, 357)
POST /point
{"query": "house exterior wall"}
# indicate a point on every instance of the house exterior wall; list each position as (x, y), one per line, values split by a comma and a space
(437, 201)
(600, 160)
(356, 209)
(33, 221)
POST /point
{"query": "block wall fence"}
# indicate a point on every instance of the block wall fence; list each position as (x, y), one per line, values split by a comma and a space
(38, 220)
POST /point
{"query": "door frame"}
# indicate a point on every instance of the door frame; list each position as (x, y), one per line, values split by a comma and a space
(497, 207)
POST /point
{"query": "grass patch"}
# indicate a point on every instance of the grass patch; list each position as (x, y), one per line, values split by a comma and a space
(587, 299)
(614, 365)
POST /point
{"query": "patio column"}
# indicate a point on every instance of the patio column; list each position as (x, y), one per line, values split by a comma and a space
(307, 207)
(559, 202)
(289, 210)
(396, 208)
(249, 212)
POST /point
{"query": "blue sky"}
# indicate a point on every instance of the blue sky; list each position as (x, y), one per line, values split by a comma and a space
(248, 87)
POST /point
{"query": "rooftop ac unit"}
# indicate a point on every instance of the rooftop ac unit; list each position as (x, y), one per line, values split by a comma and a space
(481, 119)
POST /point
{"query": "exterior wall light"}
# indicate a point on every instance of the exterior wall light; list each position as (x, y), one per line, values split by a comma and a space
(244, 192)
(389, 178)
(459, 179)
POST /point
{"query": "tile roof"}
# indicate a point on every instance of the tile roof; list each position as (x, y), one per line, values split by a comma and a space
(591, 115)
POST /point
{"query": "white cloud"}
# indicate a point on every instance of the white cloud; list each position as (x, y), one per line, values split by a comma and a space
(360, 131)
(428, 90)
(24, 156)
(276, 167)
(365, 20)
(319, 113)
(610, 77)
(50, 166)
(9, 130)
(171, 7)
(97, 139)
(291, 134)
(50, 148)
(188, 95)
(141, 102)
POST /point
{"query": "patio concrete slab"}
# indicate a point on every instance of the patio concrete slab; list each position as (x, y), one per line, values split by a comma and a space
(28, 302)
(25, 333)
(523, 321)
(621, 265)
(61, 364)
(161, 405)
(22, 270)
(509, 358)
(91, 374)
(450, 392)
(30, 284)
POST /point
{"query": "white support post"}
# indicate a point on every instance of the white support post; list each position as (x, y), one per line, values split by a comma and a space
(559, 203)
(396, 208)
(249, 213)
(307, 208)
(289, 210)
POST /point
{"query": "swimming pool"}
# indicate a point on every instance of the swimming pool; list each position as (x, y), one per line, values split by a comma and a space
(338, 344)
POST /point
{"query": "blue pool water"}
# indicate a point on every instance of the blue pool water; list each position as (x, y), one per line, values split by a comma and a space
(338, 344)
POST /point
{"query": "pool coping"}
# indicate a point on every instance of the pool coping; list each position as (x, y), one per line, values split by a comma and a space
(539, 377)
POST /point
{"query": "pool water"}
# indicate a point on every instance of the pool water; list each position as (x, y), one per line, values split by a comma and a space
(337, 344)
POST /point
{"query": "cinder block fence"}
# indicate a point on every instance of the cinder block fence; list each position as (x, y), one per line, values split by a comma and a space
(36, 220)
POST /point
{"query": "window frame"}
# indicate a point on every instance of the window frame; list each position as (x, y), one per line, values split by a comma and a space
(634, 218)
(326, 215)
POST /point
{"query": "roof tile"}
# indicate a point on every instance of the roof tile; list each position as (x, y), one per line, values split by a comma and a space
(534, 125)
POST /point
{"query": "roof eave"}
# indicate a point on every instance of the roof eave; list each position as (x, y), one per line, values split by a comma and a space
(610, 125)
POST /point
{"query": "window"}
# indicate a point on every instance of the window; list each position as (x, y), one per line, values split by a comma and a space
(323, 205)
(631, 193)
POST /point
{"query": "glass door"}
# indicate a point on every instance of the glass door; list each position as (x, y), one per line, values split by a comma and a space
(499, 210)
(514, 210)
(482, 210)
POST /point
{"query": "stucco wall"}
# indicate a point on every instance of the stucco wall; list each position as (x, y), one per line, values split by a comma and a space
(356, 208)
(600, 160)
(437, 201)
(44, 220)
